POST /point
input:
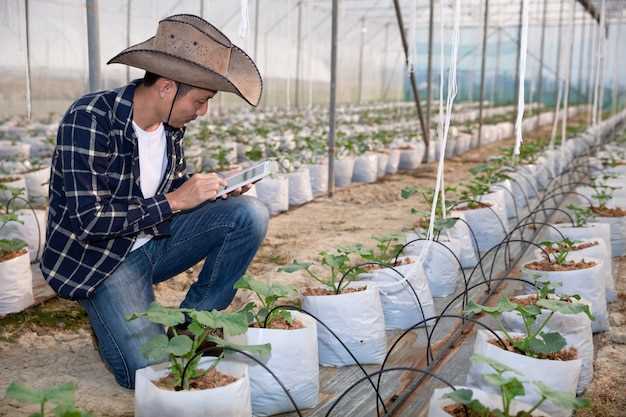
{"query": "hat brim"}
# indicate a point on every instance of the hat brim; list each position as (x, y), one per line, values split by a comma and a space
(242, 78)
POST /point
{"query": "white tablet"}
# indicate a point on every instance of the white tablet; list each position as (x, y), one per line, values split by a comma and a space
(245, 177)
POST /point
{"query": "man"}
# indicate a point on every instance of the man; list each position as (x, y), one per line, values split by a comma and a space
(123, 213)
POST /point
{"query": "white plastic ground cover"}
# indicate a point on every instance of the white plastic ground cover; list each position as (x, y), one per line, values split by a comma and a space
(299, 188)
(274, 193)
(294, 359)
(365, 168)
(37, 185)
(393, 162)
(588, 283)
(357, 319)
(232, 400)
(344, 169)
(485, 225)
(32, 230)
(318, 173)
(575, 328)
(16, 284)
(591, 231)
(400, 306)
(559, 375)
(489, 399)
(383, 160)
(442, 269)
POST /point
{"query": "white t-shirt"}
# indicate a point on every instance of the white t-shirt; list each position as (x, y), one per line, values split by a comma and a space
(152, 166)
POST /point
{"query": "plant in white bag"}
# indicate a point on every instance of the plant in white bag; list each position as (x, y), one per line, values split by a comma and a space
(426, 194)
(535, 342)
(61, 396)
(582, 215)
(11, 248)
(335, 266)
(509, 388)
(268, 295)
(184, 350)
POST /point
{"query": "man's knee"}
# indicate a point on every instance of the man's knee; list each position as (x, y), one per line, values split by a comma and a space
(251, 213)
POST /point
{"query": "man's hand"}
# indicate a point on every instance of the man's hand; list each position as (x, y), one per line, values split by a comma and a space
(195, 191)
(233, 169)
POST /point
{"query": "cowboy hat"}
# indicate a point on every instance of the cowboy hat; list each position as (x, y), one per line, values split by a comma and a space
(188, 49)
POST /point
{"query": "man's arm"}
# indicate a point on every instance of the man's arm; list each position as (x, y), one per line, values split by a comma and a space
(94, 213)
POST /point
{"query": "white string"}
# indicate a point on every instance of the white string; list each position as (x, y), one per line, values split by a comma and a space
(452, 91)
(598, 62)
(411, 59)
(568, 76)
(441, 109)
(522, 75)
(245, 19)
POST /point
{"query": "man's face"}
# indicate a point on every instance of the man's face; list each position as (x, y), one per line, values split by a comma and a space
(187, 107)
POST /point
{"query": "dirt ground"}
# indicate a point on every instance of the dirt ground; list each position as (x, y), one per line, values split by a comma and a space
(50, 344)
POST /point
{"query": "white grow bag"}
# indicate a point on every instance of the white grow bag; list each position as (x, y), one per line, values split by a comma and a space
(489, 399)
(442, 269)
(393, 162)
(318, 174)
(400, 306)
(383, 160)
(344, 169)
(618, 233)
(294, 360)
(467, 250)
(365, 168)
(411, 158)
(559, 375)
(357, 319)
(588, 283)
(16, 284)
(485, 225)
(37, 185)
(575, 328)
(232, 400)
(274, 193)
(299, 188)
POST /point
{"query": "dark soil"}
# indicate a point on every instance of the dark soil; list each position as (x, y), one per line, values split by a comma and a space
(284, 325)
(609, 212)
(566, 354)
(9, 179)
(405, 261)
(209, 380)
(531, 300)
(474, 206)
(326, 291)
(574, 248)
(457, 410)
(554, 267)
(12, 255)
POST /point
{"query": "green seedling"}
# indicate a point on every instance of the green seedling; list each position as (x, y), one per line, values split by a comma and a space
(334, 265)
(510, 386)
(582, 215)
(268, 295)
(9, 246)
(182, 350)
(534, 342)
(60, 396)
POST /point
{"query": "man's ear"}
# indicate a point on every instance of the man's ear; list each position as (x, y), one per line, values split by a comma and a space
(166, 87)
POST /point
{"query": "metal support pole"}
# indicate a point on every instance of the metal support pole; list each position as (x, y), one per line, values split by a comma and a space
(558, 54)
(93, 42)
(405, 47)
(128, 34)
(482, 73)
(519, 52)
(29, 97)
(333, 100)
(429, 82)
(298, 56)
(361, 47)
(581, 61)
(543, 37)
(616, 56)
(256, 30)
(385, 55)
(496, 76)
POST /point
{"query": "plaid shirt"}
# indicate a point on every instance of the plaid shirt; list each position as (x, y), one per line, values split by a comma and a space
(96, 206)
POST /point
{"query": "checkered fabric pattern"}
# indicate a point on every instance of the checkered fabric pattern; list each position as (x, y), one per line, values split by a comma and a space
(96, 208)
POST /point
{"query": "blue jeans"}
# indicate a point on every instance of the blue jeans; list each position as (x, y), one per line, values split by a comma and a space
(225, 233)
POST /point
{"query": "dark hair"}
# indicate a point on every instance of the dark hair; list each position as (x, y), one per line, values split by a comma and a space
(150, 78)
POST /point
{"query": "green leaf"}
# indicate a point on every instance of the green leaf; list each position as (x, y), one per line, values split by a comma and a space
(156, 313)
(262, 351)
(232, 323)
(549, 343)
(504, 305)
(157, 348)
(511, 389)
(498, 366)
(294, 267)
(269, 293)
(25, 394)
(180, 345)
(565, 307)
(561, 399)
(460, 396)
